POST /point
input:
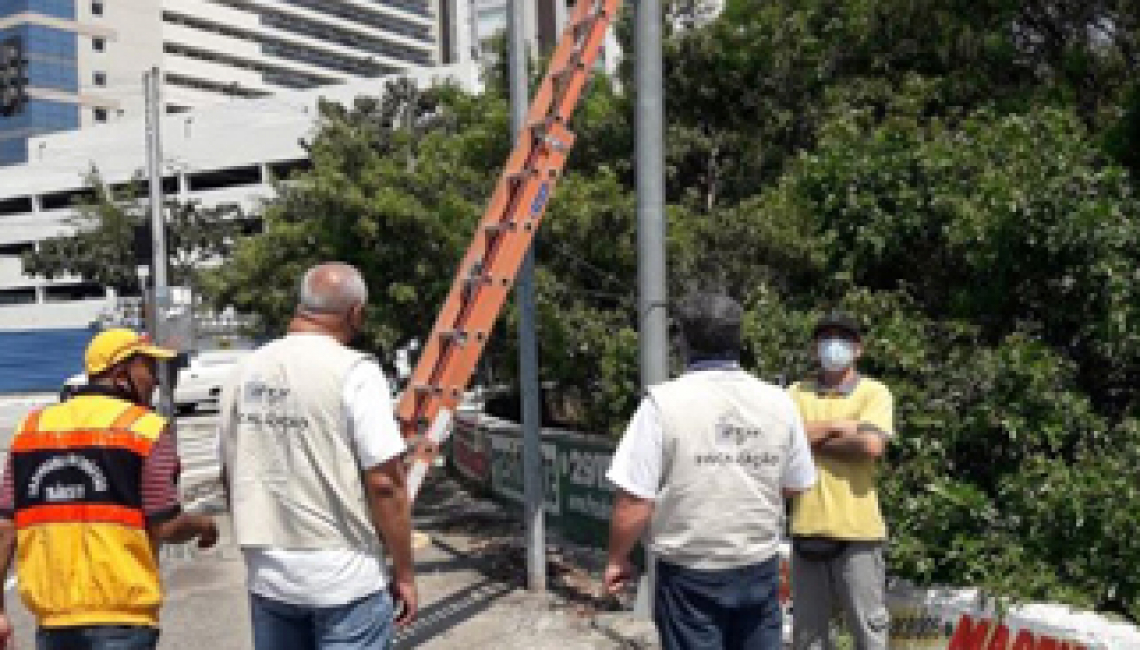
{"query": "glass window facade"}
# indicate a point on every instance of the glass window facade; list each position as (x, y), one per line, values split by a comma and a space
(419, 7)
(56, 8)
(52, 65)
(42, 116)
(53, 75)
(380, 21)
(348, 39)
(13, 151)
(45, 42)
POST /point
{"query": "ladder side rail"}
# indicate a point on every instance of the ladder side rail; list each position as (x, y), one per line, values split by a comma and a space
(504, 266)
(418, 399)
(477, 312)
(434, 347)
(488, 270)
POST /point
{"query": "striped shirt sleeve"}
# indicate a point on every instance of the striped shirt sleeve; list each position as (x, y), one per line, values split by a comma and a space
(8, 491)
(161, 469)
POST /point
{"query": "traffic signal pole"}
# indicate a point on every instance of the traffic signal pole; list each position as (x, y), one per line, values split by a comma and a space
(649, 150)
(152, 83)
(533, 488)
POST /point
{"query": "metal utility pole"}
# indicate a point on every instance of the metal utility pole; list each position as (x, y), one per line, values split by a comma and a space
(649, 136)
(152, 83)
(533, 475)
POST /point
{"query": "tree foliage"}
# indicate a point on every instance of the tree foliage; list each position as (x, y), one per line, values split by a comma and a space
(101, 246)
(961, 175)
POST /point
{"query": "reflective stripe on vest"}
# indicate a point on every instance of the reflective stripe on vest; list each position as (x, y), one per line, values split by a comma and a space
(83, 553)
(109, 494)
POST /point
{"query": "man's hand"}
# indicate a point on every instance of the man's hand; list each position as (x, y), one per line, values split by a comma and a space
(822, 431)
(630, 517)
(184, 528)
(6, 638)
(619, 573)
(854, 440)
(208, 535)
(391, 509)
(405, 598)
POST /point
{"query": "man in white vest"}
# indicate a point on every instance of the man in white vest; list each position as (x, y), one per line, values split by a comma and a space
(312, 461)
(705, 465)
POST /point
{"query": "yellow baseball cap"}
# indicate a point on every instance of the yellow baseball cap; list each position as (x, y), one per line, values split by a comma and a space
(117, 345)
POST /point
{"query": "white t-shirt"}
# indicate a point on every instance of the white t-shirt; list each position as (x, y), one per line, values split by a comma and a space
(327, 578)
(638, 463)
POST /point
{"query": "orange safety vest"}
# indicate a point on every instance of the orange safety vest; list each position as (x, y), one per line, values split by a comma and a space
(83, 556)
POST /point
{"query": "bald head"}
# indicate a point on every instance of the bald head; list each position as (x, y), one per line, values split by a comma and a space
(332, 288)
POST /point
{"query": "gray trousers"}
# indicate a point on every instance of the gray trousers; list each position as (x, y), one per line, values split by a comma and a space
(854, 581)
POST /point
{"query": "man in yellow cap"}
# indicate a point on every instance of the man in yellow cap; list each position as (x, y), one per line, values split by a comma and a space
(89, 492)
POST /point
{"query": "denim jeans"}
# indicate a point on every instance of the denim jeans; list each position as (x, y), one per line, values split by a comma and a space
(97, 637)
(724, 609)
(365, 624)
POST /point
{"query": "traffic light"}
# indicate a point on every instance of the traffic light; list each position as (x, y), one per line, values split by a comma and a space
(13, 77)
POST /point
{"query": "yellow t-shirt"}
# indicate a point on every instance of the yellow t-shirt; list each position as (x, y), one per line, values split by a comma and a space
(844, 502)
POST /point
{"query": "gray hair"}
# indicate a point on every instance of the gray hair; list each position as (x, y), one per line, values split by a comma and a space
(331, 288)
(710, 324)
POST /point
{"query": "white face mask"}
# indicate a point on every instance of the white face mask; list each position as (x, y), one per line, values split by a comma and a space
(836, 354)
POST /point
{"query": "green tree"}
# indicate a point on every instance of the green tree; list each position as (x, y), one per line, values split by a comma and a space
(101, 248)
(1013, 223)
(395, 188)
(934, 167)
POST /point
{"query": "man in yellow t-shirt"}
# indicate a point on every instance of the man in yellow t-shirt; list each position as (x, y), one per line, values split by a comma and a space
(837, 529)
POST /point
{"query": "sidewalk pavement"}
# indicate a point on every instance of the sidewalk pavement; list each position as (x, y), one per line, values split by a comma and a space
(470, 579)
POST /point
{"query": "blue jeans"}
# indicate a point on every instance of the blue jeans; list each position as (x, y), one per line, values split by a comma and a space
(97, 637)
(365, 624)
(724, 609)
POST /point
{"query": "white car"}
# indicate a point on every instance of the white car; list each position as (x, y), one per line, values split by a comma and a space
(199, 383)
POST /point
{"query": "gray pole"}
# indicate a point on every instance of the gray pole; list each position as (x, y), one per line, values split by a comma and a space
(152, 81)
(533, 481)
(650, 167)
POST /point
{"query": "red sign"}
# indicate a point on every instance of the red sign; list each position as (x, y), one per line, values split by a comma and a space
(976, 635)
(469, 451)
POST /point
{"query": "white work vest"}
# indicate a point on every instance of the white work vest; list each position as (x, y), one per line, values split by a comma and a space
(727, 437)
(295, 481)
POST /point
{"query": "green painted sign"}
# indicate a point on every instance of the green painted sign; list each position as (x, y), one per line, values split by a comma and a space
(578, 496)
(507, 469)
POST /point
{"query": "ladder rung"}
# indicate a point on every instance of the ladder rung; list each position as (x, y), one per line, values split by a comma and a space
(564, 76)
(587, 21)
(540, 127)
(521, 174)
(459, 336)
(436, 389)
(476, 269)
(555, 144)
(497, 228)
(572, 66)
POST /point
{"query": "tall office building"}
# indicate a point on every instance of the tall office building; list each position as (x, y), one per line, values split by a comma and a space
(86, 57)
(48, 41)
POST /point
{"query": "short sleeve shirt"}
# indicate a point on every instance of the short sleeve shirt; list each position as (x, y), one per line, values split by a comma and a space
(844, 504)
(326, 578)
(160, 472)
(638, 463)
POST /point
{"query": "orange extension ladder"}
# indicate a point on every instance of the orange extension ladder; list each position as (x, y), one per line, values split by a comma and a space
(504, 235)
